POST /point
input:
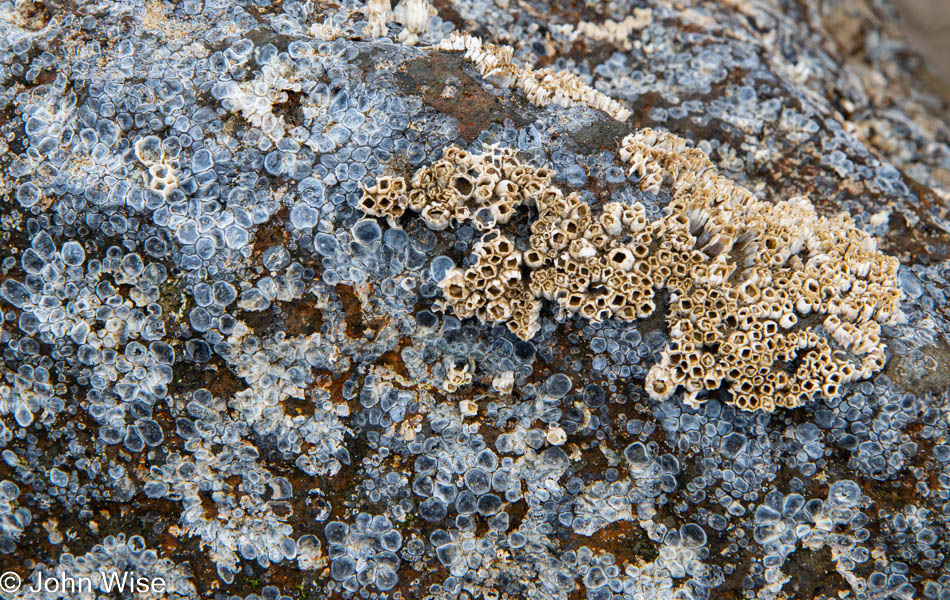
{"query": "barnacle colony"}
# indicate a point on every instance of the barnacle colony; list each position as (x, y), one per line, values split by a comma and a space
(769, 300)
(542, 87)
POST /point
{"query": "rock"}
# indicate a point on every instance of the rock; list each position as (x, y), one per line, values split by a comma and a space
(250, 298)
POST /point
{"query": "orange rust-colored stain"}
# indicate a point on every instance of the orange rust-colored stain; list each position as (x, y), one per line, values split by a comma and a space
(919, 243)
(34, 16)
(215, 377)
(356, 323)
(393, 358)
(274, 232)
(443, 84)
(626, 540)
(301, 317)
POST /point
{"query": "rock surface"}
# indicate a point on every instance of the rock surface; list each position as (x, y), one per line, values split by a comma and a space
(220, 373)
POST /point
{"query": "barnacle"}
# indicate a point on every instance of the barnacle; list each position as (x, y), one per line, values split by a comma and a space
(617, 33)
(752, 285)
(377, 13)
(255, 99)
(414, 16)
(541, 86)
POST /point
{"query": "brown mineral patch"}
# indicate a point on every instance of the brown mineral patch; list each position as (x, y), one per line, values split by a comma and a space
(356, 323)
(272, 233)
(214, 376)
(341, 489)
(893, 495)
(918, 243)
(918, 239)
(934, 380)
(33, 15)
(813, 575)
(296, 407)
(301, 317)
(291, 110)
(847, 27)
(741, 563)
(600, 135)
(448, 13)
(221, 382)
(592, 464)
(626, 540)
(393, 358)
(445, 86)
(353, 311)
(415, 584)
(570, 11)
(262, 323)
(211, 509)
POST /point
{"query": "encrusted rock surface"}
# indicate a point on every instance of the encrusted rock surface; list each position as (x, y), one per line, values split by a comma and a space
(473, 299)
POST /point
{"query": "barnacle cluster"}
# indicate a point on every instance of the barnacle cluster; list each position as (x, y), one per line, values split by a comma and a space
(618, 33)
(542, 87)
(486, 189)
(750, 281)
(751, 285)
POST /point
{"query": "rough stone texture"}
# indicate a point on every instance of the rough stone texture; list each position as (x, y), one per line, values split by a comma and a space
(216, 372)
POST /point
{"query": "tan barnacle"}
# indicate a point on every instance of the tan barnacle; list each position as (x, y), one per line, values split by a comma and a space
(590, 310)
(557, 239)
(498, 310)
(436, 216)
(547, 198)
(456, 155)
(657, 383)
(485, 270)
(787, 320)
(418, 198)
(506, 189)
(414, 16)
(484, 192)
(712, 231)
(463, 185)
(468, 408)
(621, 259)
(453, 285)
(512, 260)
(611, 223)
(534, 259)
(377, 13)
(502, 245)
(868, 341)
(162, 177)
(494, 289)
(510, 277)
(472, 303)
(645, 308)
(580, 215)
(616, 301)
(456, 377)
(149, 150)
(502, 210)
(556, 436)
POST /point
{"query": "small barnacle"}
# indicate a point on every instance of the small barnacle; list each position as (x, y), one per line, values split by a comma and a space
(541, 86)
(456, 377)
(414, 16)
(377, 13)
(468, 408)
(556, 436)
(149, 150)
